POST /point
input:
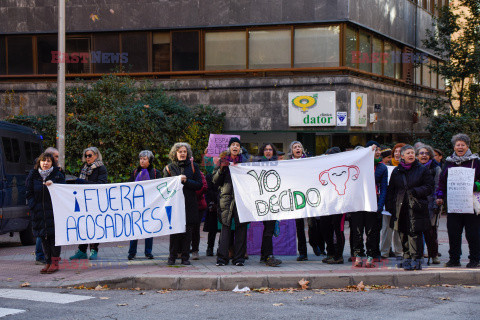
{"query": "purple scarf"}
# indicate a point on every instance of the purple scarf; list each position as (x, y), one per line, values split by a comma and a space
(406, 166)
(428, 164)
(143, 175)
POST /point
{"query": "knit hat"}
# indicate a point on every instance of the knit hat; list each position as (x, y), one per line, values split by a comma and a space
(386, 153)
(232, 140)
(371, 143)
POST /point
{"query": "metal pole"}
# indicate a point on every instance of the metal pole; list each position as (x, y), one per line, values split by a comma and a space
(61, 85)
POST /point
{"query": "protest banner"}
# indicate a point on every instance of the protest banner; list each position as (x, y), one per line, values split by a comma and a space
(217, 143)
(460, 190)
(89, 213)
(308, 187)
(390, 170)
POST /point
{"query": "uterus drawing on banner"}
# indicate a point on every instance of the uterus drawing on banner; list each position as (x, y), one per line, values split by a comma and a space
(339, 177)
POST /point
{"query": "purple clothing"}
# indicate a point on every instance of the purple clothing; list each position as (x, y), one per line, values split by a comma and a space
(143, 175)
(442, 183)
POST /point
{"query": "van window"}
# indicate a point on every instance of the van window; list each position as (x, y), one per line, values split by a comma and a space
(32, 151)
(12, 149)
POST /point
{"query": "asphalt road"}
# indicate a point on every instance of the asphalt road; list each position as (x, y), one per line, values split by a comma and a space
(447, 302)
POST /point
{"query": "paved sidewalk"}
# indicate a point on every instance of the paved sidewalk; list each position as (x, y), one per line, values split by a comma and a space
(17, 265)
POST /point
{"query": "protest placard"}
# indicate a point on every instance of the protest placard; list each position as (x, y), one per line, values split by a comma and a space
(308, 187)
(460, 190)
(217, 143)
(89, 213)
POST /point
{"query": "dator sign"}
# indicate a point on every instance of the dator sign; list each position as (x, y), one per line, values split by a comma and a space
(311, 109)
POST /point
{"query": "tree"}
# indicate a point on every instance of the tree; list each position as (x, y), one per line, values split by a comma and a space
(122, 117)
(455, 37)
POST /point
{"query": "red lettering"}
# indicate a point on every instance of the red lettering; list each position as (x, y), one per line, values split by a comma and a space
(55, 56)
(355, 56)
(84, 56)
(385, 56)
(74, 58)
(365, 58)
(375, 57)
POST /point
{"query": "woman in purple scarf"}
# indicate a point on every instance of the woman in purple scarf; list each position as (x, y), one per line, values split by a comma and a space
(145, 171)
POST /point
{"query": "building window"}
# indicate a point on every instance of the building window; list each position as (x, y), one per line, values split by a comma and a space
(46, 46)
(20, 55)
(134, 55)
(225, 50)
(433, 73)
(441, 79)
(3, 62)
(317, 47)
(365, 54)
(418, 74)
(389, 65)
(80, 47)
(269, 49)
(426, 82)
(106, 56)
(377, 56)
(351, 52)
(161, 51)
(185, 51)
(398, 62)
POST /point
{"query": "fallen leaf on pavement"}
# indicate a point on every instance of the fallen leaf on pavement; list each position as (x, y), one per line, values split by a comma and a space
(104, 298)
(142, 293)
(444, 298)
(9, 278)
(447, 285)
(120, 246)
(209, 290)
(164, 291)
(122, 304)
(98, 288)
(469, 287)
(321, 292)
(25, 284)
(248, 295)
(304, 298)
(277, 304)
(303, 283)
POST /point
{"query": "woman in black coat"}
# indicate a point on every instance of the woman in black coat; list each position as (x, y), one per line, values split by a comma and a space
(407, 200)
(144, 171)
(182, 165)
(93, 172)
(44, 174)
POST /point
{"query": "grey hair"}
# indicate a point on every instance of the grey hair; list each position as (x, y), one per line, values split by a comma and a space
(405, 148)
(431, 153)
(94, 150)
(51, 150)
(290, 149)
(461, 137)
(173, 152)
(147, 154)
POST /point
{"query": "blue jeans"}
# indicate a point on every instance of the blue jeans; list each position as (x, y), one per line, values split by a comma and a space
(39, 256)
(148, 246)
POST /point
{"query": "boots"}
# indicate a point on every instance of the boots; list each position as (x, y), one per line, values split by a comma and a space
(407, 264)
(45, 269)
(416, 264)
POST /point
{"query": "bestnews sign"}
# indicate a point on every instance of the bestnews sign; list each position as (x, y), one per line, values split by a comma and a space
(89, 57)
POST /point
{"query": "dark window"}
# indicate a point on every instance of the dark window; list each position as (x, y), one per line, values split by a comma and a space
(161, 51)
(78, 52)
(20, 55)
(3, 64)
(135, 51)
(11, 149)
(46, 46)
(32, 151)
(106, 56)
(185, 54)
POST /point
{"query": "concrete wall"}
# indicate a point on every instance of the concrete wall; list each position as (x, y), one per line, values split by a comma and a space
(253, 104)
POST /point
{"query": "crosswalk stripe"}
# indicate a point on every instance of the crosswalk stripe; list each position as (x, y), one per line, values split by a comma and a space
(62, 298)
(8, 312)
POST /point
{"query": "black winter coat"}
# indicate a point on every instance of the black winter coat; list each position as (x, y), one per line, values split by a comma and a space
(98, 176)
(420, 184)
(152, 172)
(193, 183)
(40, 203)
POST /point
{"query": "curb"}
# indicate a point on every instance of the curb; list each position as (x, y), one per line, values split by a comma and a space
(325, 281)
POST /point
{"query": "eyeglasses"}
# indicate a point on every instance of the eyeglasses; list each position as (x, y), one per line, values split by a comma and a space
(424, 153)
(89, 155)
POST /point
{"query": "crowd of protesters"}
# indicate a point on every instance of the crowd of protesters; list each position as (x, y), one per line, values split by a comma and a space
(411, 195)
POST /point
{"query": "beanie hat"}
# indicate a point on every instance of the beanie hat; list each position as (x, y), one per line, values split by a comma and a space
(371, 143)
(232, 140)
(386, 153)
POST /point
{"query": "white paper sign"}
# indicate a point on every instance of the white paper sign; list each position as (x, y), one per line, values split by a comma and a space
(358, 109)
(92, 213)
(309, 187)
(311, 109)
(460, 190)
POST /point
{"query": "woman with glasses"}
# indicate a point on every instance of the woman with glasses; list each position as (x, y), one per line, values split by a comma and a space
(425, 156)
(93, 172)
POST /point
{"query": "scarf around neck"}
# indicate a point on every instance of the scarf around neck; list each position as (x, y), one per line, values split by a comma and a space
(428, 164)
(88, 169)
(143, 175)
(406, 166)
(458, 160)
(45, 173)
(395, 162)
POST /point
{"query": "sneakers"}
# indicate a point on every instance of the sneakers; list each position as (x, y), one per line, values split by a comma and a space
(195, 255)
(93, 255)
(452, 264)
(39, 262)
(358, 262)
(45, 269)
(473, 264)
(170, 261)
(149, 256)
(335, 260)
(186, 262)
(209, 252)
(302, 257)
(239, 264)
(79, 255)
(369, 263)
(220, 264)
(271, 261)
(324, 260)
(131, 257)
(435, 260)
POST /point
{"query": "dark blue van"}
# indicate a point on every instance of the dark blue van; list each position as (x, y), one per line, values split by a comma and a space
(19, 147)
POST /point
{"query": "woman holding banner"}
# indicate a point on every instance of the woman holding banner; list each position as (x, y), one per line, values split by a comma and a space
(182, 165)
(44, 174)
(268, 152)
(93, 172)
(409, 187)
(461, 157)
(296, 151)
(145, 171)
(228, 210)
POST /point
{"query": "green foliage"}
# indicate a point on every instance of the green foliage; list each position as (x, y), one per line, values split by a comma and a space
(456, 37)
(122, 117)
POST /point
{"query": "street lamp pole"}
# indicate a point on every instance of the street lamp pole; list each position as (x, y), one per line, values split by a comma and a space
(61, 85)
